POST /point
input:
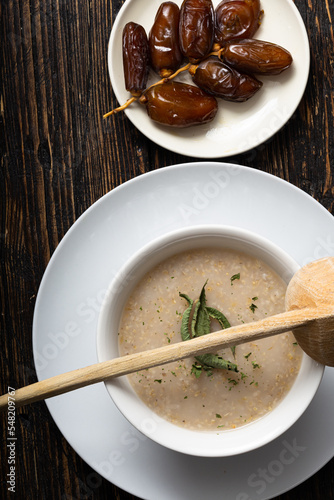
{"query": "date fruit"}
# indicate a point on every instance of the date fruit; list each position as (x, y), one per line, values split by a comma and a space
(165, 51)
(256, 56)
(196, 28)
(218, 79)
(178, 104)
(236, 19)
(135, 58)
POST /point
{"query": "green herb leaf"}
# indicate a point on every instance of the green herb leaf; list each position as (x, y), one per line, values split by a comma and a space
(255, 365)
(194, 319)
(216, 361)
(218, 416)
(158, 380)
(202, 297)
(185, 328)
(203, 322)
(219, 316)
(202, 326)
(247, 355)
(222, 320)
(188, 299)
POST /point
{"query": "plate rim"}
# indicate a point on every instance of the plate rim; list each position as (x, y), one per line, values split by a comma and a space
(140, 178)
(245, 148)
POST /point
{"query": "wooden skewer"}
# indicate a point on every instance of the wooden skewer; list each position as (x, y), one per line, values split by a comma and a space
(121, 108)
(136, 98)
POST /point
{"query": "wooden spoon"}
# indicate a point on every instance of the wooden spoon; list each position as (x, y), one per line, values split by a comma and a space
(310, 308)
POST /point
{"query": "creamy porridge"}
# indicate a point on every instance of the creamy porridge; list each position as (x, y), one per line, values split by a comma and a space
(188, 393)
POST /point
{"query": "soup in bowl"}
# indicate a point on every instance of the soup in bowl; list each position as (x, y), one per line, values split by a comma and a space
(186, 284)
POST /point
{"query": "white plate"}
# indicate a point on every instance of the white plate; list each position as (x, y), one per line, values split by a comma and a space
(237, 127)
(68, 304)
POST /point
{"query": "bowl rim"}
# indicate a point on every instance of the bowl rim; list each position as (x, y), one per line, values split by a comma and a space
(201, 443)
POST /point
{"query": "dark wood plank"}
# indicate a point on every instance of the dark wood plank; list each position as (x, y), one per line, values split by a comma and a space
(59, 156)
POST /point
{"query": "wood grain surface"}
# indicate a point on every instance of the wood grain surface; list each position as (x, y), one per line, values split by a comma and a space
(58, 156)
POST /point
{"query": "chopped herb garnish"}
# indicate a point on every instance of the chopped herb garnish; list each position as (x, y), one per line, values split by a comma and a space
(218, 416)
(185, 397)
(255, 365)
(255, 298)
(234, 277)
(196, 370)
(168, 339)
(232, 381)
(295, 343)
(252, 307)
(158, 380)
(243, 375)
(247, 355)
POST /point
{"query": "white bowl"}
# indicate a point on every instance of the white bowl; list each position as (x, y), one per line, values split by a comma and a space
(200, 443)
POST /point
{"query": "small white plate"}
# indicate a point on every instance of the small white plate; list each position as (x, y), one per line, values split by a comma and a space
(69, 301)
(237, 127)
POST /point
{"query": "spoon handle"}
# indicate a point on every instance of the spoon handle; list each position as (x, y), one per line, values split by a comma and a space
(124, 365)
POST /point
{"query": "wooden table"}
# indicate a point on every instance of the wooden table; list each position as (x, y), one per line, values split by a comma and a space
(59, 156)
